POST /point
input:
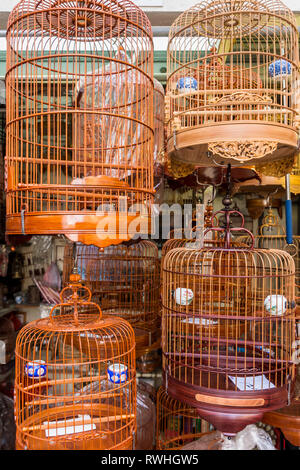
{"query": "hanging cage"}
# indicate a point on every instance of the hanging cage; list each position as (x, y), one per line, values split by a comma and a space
(159, 119)
(124, 280)
(272, 235)
(228, 328)
(233, 83)
(177, 423)
(75, 385)
(79, 158)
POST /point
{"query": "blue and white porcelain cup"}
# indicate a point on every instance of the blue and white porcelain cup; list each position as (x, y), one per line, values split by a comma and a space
(117, 373)
(187, 85)
(280, 68)
(36, 369)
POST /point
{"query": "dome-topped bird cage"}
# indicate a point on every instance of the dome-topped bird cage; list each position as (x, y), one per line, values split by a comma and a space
(176, 423)
(272, 234)
(159, 119)
(124, 280)
(228, 327)
(159, 140)
(232, 83)
(79, 119)
(72, 392)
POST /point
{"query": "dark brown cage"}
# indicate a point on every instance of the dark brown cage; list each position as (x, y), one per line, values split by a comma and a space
(233, 83)
(79, 119)
(228, 329)
(177, 423)
(124, 279)
(75, 380)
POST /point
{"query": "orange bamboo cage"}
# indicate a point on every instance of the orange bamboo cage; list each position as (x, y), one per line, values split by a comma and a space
(124, 280)
(159, 120)
(233, 83)
(75, 379)
(228, 328)
(272, 236)
(79, 84)
(177, 423)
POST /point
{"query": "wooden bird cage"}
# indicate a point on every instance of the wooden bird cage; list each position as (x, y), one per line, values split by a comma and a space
(233, 83)
(79, 119)
(75, 379)
(124, 280)
(159, 120)
(228, 326)
(272, 236)
(177, 423)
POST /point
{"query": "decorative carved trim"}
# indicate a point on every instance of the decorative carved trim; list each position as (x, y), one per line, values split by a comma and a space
(178, 169)
(242, 97)
(242, 150)
(278, 168)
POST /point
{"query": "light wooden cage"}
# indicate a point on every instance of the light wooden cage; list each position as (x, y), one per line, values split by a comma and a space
(75, 380)
(233, 83)
(177, 423)
(79, 89)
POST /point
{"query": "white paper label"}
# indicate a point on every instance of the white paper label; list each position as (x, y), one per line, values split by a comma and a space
(259, 382)
(63, 426)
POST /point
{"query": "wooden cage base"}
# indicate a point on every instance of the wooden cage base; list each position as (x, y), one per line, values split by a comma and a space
(228, 411)
(31, 434)
(89, 229)
(192, 145)
(288, 420)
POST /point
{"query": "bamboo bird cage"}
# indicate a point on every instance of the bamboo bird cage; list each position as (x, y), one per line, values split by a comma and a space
(159, 120)
(79, 119)
(228, 328)
(233, 83)
(124, 280)
(75, 378)
(159, 140)
(272, 236)
(177, 423)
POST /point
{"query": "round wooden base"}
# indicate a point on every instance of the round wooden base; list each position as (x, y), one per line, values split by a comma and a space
(191, 145)
(228, 411)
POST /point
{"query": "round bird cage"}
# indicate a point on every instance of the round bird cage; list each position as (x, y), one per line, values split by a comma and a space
(228, 326)
(75, 379)
(159, 119)
(233, 83)
(272, 236)
(79, 119)
(124, 280)
(159, 140)
(177, 423)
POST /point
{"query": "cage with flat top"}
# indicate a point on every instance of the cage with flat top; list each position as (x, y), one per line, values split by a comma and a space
(228, 327)
(232, 90)
(75, 380)
(79, 88)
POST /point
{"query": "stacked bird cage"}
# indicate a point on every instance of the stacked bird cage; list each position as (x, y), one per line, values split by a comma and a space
(232, 83)
(228, 328)
(75, 385)
(272, 236)
(79, 119)
(177, 423)
(124, 280)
